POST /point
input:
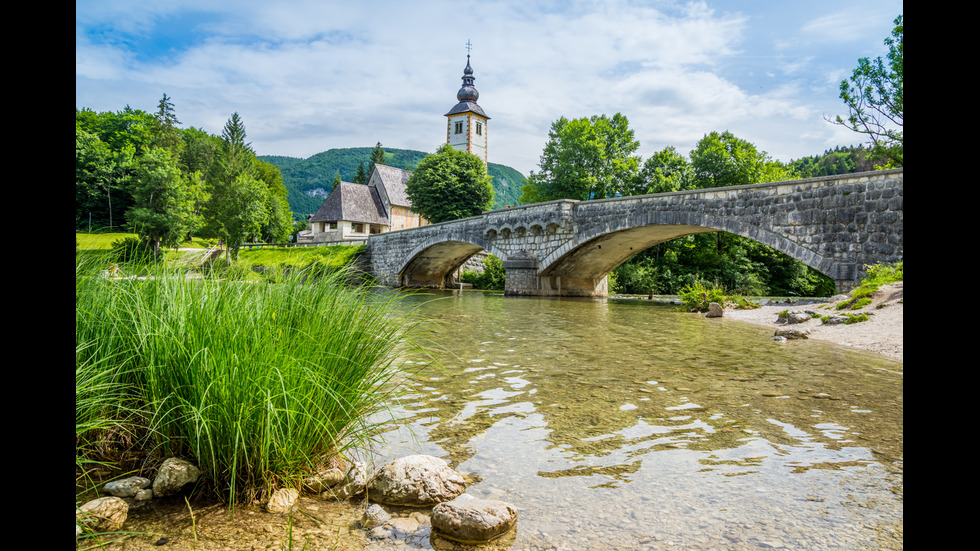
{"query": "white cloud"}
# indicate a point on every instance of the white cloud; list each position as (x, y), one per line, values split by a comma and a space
(308, 76)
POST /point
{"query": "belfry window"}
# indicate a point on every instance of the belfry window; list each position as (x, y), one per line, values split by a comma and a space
(459, 128)
(479, 129)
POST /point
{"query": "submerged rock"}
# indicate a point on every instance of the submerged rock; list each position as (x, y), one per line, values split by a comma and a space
(467, 519)
(416, 481)
(105, 514)
(793, 333)
(323, 480)
(374, 516)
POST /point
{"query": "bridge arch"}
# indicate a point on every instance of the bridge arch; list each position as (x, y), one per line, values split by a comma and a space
(434, 259)
(604, 249)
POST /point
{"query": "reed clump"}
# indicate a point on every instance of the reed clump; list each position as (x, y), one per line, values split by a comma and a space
(259, 383)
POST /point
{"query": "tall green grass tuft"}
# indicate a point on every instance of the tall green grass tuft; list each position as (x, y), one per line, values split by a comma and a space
(258, 383)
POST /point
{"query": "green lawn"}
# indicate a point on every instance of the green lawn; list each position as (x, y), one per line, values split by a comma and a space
(268, 256)
(103, 241)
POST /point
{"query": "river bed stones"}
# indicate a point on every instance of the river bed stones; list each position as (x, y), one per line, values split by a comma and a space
(354, 483)
(470, 520)
(792, 333)
(415, 481)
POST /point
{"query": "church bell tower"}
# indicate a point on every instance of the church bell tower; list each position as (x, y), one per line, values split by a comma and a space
(466, 127)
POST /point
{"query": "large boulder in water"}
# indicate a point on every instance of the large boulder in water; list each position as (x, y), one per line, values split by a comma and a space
(416, 481)
(471, 520)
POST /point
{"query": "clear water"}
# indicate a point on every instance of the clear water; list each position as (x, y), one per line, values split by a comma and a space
(624, 424)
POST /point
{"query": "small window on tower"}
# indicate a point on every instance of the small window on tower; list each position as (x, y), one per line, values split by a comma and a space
(459, 128)
(479, 129)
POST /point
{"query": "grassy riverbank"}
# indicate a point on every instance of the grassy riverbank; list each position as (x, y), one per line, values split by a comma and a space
(258, 383)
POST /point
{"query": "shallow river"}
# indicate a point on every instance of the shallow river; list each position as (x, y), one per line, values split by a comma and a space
(615, 424)
(624, 424)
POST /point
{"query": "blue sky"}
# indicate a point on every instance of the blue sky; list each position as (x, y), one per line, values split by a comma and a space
(307, 76)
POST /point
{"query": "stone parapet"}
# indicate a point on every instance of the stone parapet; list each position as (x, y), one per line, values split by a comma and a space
(838, 225)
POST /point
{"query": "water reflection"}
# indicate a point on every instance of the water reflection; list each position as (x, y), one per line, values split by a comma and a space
(622, 424)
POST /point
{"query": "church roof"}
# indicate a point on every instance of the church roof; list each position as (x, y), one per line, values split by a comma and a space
(354, 203)
(467, 106)
(393, 179)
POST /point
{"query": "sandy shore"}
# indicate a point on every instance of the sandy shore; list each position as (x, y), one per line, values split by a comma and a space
(881, 334)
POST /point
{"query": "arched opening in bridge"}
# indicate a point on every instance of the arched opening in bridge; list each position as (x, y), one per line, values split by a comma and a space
(437, 266)
(663, 258)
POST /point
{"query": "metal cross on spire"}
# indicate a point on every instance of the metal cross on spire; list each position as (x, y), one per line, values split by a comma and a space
(469, 46)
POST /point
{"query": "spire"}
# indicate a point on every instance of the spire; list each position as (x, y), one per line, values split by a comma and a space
(467, 94)
(468, 91)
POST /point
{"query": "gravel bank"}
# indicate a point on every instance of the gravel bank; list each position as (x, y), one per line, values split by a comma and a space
(882, 334)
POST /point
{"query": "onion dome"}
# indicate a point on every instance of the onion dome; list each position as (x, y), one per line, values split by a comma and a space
(467, 95)
(468, 91)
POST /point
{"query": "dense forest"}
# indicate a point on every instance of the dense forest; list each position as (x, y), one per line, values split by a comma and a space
(139, 172)
(309, 180)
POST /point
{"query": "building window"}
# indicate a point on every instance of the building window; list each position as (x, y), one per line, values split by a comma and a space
(459, 128)
(479, 129)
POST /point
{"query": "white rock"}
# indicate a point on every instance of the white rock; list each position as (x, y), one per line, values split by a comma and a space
(416, 481)
(281, 500)
(104, 514)
(467, 519)
(173, 475)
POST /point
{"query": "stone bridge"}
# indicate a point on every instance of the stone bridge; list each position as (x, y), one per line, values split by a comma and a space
(837, 225)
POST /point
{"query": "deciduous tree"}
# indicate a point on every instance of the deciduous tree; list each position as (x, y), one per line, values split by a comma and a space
(587, 158)
(101, 174)
(450, 185)
(722, 159)
(664, 171)
(162, 208)
(875, 99)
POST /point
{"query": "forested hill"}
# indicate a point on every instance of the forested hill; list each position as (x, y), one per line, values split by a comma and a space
(309, 180)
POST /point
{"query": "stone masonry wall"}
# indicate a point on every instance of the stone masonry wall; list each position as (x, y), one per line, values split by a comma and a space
(838, 225)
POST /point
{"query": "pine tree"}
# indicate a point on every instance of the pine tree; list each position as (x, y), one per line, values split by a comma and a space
(166, 133)
(377, 157)
(361, 176)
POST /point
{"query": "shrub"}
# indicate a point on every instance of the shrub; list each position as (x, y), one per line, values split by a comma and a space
(697, 296)
(491, 279)
(131, 250)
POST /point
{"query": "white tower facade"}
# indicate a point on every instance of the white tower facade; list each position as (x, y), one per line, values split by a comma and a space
(466, 127)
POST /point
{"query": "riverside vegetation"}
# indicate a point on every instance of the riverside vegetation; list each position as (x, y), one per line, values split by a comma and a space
(258, 383)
